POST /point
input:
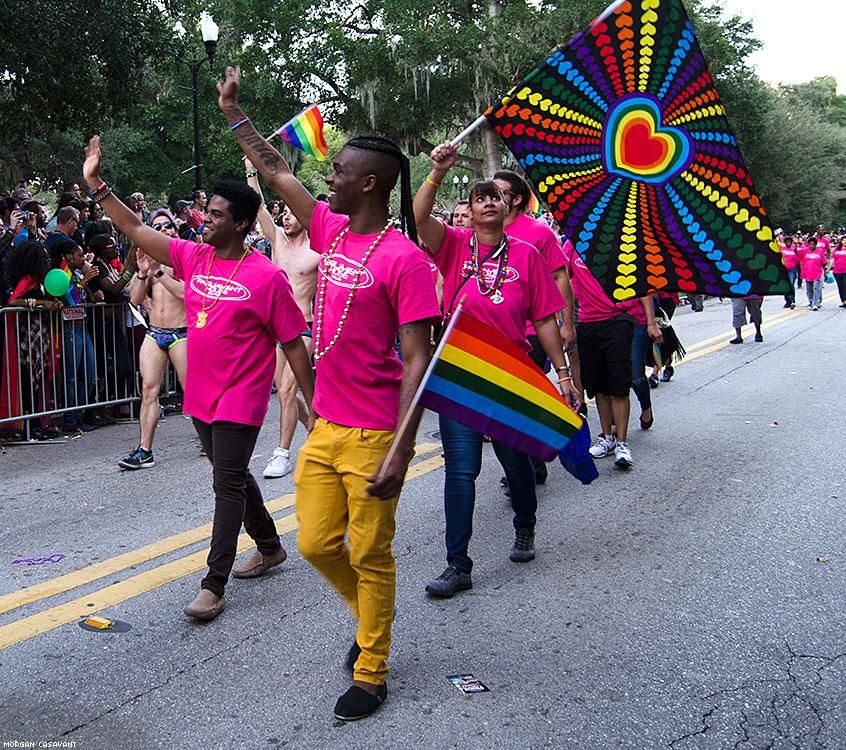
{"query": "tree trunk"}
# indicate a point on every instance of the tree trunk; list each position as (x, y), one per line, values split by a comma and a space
(491, 153)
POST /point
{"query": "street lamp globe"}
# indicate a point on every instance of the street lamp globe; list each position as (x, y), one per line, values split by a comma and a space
(209, 29)
(455, 181)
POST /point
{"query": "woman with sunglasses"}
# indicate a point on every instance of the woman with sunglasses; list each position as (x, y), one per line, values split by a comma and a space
(506, 283)
(163, 297)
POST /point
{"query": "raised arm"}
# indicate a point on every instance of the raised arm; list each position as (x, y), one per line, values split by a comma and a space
(429, 229)
(267, 159)
(155, 243)
(268, 226)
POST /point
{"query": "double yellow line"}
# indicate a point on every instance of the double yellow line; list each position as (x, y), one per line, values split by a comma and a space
(62, 614)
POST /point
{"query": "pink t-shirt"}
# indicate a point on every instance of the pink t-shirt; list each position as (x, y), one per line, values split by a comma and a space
(232, 358)
(824, 244)
(789, 255)
(527, 293)
(594, 305)
(813, 262)
(838, 255)
(538, 233)
(358, 381)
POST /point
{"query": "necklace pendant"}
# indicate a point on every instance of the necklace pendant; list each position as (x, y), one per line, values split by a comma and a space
(202, 317)
(497, 298)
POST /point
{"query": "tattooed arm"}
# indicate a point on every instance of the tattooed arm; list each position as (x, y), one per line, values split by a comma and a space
(267, 160)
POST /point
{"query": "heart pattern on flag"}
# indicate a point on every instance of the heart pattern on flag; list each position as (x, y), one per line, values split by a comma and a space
(638, 147)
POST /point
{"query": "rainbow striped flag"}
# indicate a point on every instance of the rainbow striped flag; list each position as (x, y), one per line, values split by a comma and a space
(305, 132)
(534, 206)
(483, 380)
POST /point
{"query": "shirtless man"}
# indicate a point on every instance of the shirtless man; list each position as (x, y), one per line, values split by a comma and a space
(291, 252)
(163, 296)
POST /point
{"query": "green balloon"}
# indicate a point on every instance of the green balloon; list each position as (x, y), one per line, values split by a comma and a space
(56, 282)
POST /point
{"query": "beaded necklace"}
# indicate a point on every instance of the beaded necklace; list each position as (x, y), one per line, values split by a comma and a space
(203, 315)
(501, 253)
(321, 292)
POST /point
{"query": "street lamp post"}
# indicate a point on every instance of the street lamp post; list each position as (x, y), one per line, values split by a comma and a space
(209, 30)
(460, 185)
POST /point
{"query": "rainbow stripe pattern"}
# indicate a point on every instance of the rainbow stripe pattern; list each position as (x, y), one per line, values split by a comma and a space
(485, 381)
(623, 134)
(305, 132)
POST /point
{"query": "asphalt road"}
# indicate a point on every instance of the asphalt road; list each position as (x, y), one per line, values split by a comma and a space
(696, 601)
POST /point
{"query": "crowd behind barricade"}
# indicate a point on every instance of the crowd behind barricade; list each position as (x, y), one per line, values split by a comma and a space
(79, 346)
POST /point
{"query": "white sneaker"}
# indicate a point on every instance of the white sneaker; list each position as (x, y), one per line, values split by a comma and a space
(602, 446)
(623, 455)
(279, 465)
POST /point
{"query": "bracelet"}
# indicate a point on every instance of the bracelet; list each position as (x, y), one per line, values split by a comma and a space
(102, 196)
(101, 186)
(125, 276)
(431, 182)
(239, 123)
(251, 173)
(563, 367)
(563, 380)
(141, 278)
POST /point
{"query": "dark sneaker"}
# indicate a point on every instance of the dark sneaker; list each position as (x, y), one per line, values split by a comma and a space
(138, 459)
(653, 381)
(759, 338)
(357, 703)
(667, 374)
(449, 582)
(524, 546)
(736, 340)
(352, 656)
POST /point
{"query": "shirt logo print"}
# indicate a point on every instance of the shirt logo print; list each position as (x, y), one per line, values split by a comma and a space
(489, 270)
(213, 287)
(343, 271)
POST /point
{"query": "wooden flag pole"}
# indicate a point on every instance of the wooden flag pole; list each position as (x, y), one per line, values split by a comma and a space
(425, 379)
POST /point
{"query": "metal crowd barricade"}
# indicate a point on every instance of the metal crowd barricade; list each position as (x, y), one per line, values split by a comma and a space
(54, 363)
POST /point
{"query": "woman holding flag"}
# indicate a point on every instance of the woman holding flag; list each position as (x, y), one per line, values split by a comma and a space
(503, 282)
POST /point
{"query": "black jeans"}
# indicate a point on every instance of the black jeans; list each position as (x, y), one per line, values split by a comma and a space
(237, 498)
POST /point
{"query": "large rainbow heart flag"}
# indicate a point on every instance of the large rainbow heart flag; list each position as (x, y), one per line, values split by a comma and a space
(623, 134)
(305, 132)
(483, 380)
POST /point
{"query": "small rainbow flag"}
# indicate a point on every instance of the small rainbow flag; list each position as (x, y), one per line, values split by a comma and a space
(305, 132)
(534, 206)
(483, 380)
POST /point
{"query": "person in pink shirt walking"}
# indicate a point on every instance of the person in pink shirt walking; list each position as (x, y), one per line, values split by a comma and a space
(837, 264)
(790, 258)
(812, 261)
(237, 306)
(374, 286)
(506, 282)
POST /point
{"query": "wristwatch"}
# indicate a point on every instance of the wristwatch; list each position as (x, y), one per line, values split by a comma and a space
(159, 273)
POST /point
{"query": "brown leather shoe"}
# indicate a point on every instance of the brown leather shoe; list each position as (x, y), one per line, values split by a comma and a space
(258, 564)
(206, 606)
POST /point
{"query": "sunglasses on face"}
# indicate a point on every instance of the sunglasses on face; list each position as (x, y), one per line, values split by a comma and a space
(163, 225)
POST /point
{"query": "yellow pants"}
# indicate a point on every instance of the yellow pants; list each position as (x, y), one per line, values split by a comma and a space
(332, 500)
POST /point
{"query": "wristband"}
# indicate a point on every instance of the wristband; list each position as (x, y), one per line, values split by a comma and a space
(141, 278)
(158, 274)
(251, 173)
(101, 186)
(563, 367)
(563, 380)
(431, 182)
(239, 123)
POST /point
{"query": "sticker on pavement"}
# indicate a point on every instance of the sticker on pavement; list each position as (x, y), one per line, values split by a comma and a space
(468, 684)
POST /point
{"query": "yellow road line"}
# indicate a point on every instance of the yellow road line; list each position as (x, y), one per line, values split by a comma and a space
(695, 352)
(43, 622)
(139, 556)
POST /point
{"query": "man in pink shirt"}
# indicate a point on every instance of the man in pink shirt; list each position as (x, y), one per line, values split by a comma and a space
(374, 285)
(237, 306)
(812, 261)
(605, 333)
